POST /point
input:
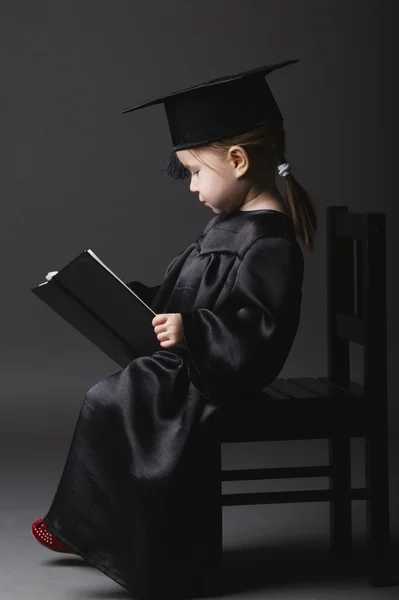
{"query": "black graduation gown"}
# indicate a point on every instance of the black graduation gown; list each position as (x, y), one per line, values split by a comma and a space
(127, 499)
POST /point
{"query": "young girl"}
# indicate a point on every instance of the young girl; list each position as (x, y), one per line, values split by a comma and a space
(227, 314)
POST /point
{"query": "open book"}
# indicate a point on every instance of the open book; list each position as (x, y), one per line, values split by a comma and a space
(91, 298)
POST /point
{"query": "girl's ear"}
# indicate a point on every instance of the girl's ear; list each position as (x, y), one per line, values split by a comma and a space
(174, 168)
(239, 160)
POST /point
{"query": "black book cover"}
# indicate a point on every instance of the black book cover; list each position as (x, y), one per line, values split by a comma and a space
(91, 298)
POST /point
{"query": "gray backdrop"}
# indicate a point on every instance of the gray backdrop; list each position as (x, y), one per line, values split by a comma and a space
(77, 174)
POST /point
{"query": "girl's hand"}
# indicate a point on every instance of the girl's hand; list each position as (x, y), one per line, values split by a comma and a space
(169, 329)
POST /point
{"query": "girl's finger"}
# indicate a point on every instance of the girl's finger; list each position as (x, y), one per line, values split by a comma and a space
(163, 336)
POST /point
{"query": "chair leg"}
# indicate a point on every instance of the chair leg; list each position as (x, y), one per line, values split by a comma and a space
(341, 505)
(211, 509)
(377, 510)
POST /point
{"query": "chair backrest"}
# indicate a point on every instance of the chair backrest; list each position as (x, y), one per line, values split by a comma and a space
(356, 296)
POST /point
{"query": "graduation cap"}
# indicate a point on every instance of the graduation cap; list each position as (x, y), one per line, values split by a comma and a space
(217, 109)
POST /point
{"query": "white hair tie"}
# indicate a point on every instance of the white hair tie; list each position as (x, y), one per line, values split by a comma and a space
(284, 169)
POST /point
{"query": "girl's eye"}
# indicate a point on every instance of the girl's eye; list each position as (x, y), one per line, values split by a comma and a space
(194, 172)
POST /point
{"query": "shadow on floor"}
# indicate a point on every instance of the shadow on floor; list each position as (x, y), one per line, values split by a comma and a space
(257, 567)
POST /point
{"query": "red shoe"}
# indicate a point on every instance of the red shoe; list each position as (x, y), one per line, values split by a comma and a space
(43, 536)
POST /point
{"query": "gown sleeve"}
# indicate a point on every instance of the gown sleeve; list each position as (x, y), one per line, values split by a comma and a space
(245, 345)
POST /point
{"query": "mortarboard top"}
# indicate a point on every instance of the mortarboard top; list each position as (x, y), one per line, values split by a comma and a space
(217, 109)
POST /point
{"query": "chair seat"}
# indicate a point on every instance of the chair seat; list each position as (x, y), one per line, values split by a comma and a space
(297, 408)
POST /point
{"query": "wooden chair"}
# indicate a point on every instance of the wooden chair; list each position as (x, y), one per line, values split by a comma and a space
(333, 407)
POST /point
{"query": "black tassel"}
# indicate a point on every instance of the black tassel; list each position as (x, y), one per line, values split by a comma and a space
(175, 169)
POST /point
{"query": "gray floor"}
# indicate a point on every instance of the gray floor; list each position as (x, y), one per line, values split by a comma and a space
(270, 552)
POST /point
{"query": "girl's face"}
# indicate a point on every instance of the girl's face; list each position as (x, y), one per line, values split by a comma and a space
(219, 187)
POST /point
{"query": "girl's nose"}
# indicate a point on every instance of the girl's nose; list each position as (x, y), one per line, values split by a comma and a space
(193, 187)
